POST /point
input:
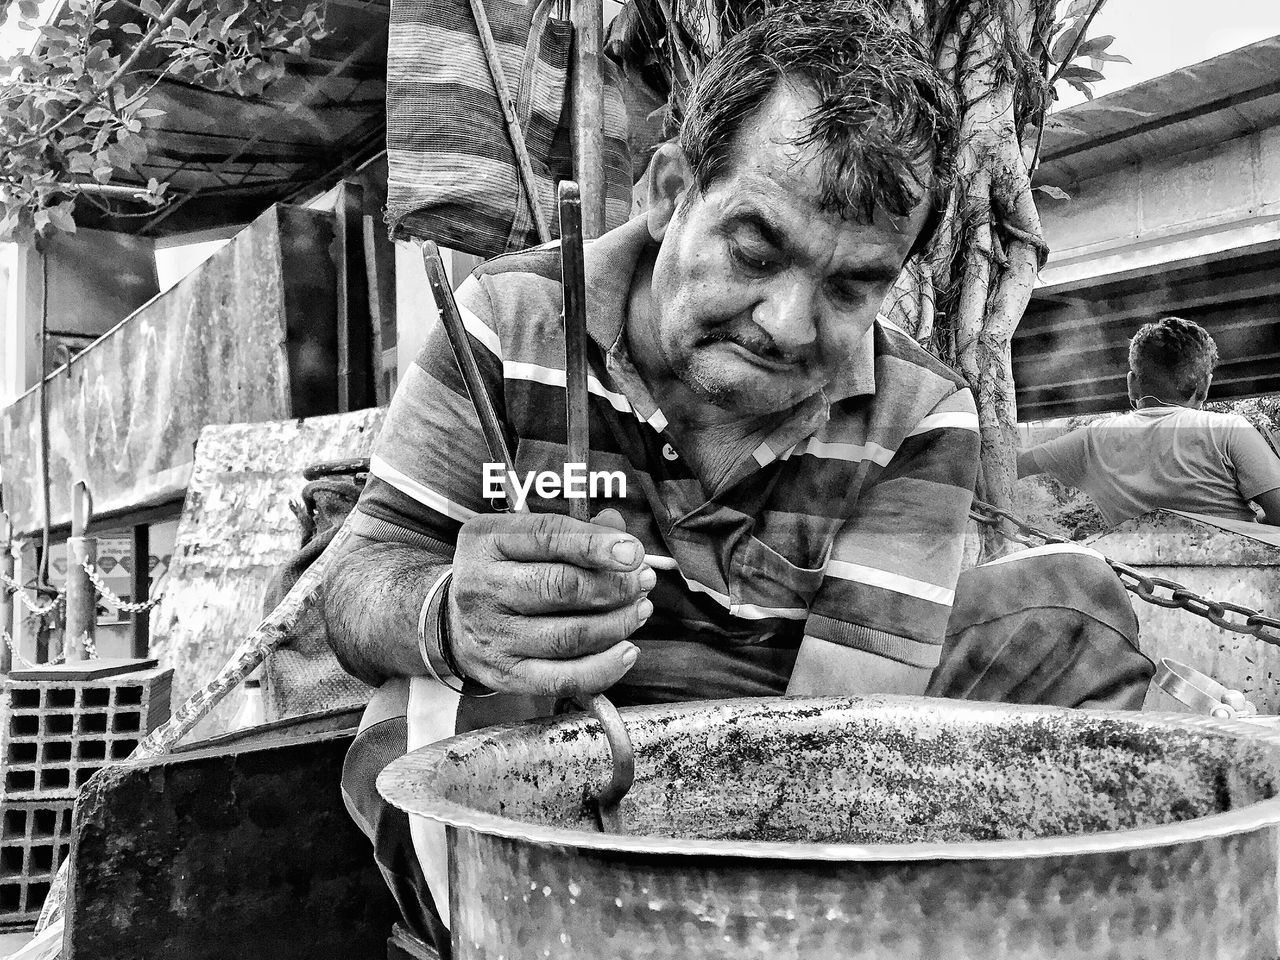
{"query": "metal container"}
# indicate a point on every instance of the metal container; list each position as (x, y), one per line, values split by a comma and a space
(882, 827)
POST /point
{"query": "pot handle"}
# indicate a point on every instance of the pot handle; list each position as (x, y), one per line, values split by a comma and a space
(624, 760)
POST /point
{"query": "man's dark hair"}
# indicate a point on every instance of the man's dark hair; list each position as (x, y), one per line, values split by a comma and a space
(1175, 352)
(885, 116)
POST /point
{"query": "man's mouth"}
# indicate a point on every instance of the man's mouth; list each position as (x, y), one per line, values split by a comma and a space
(765, 355)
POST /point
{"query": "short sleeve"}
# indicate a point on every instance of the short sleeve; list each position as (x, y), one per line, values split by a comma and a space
(1064, 458)
(890, 579)
(427, 470)
(1257, 467)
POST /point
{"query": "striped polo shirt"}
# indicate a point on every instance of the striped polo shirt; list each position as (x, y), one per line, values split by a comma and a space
(846, 524)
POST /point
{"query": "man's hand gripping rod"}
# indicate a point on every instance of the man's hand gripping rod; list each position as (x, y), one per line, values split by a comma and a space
(573, 285)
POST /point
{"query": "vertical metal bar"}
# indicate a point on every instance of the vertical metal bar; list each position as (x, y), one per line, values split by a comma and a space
(6, 597)
(141, 549)
(588, 111)
(355, 339)
(573, 289)
(82, 598)
(490, 426)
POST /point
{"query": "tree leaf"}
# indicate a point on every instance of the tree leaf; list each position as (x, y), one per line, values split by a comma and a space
(131, 28)
(61, 219)
(1062, 46)
(1082, 87)
(146, 113)
(1075, 72)
(1094, 46)
(1050, 191)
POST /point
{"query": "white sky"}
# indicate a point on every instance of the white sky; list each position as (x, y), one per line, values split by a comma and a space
(1162, 35)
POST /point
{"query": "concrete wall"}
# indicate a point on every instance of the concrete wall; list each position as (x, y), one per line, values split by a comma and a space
(250, 336)
(1164, 209)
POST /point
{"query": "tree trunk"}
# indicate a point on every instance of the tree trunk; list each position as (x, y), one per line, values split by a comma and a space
(966, 301)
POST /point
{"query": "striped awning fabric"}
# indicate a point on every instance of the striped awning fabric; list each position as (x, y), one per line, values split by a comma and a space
(452, 171)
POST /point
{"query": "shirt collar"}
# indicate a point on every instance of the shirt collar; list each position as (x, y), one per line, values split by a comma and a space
(610, 263)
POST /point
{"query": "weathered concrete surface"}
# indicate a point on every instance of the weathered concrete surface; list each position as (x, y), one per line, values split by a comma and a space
(1216, 564)
(236, 529)
(241, 851)
(249, 336)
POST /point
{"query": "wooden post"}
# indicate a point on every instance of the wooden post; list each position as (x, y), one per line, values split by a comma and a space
(141, 549)
(588, 111)
(355, 341)
(6, 597)
(82, 597)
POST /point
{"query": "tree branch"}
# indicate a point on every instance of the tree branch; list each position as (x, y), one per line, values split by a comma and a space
(142, 46)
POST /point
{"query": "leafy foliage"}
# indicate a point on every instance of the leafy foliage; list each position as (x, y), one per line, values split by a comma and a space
(1076, 57)
(73, 112)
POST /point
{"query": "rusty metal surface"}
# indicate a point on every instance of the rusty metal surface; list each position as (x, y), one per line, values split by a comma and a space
(246, 337)
(886, 826)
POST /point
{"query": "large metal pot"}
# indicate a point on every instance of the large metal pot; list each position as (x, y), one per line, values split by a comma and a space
(884, 827)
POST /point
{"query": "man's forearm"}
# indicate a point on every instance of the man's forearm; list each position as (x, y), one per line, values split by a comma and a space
(372, 599)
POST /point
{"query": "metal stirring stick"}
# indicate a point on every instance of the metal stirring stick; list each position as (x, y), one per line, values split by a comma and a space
(574, 285)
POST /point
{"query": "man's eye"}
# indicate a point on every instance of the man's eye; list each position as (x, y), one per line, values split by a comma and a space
(846, 291)
(752, 260)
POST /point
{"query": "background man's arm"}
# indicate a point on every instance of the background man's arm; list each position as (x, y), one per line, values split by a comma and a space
(878, 621)
(1270, 504)
(1257, 469)
(1027, 464)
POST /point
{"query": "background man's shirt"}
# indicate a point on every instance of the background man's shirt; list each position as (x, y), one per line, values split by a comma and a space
(1171, 458)
(845, 524)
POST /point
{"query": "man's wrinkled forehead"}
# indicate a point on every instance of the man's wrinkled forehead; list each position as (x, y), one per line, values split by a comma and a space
(773, 149)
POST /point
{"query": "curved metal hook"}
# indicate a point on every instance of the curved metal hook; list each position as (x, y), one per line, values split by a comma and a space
(623, 757)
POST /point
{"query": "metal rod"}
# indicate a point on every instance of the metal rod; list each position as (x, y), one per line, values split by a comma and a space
(6, 595)
(141, 573)
(573, 287)
(514, 131)
(82, 598)
(588, 111)
(490, 426)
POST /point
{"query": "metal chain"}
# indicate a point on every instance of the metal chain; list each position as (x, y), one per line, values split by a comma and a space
(109, 595)
(14, 587)
(19, 658)
(1157, 590)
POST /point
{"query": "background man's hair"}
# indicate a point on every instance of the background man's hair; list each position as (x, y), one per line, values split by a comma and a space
(1173, 351)
(885, 115)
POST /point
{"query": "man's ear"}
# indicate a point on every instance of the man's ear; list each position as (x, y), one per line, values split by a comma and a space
(670, 178)
(1134, 395)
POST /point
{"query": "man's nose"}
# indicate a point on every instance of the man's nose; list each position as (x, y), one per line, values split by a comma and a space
(787, 314)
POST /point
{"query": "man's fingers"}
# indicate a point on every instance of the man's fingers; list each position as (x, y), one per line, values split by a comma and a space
(566, 638)
(567, 678)
(610, 517)
(546, 537)
(543, 588)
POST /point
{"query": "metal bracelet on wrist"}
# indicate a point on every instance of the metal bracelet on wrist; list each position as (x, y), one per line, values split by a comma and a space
(446, 668)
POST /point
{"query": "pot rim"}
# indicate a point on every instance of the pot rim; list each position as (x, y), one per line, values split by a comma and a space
(396, 784)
